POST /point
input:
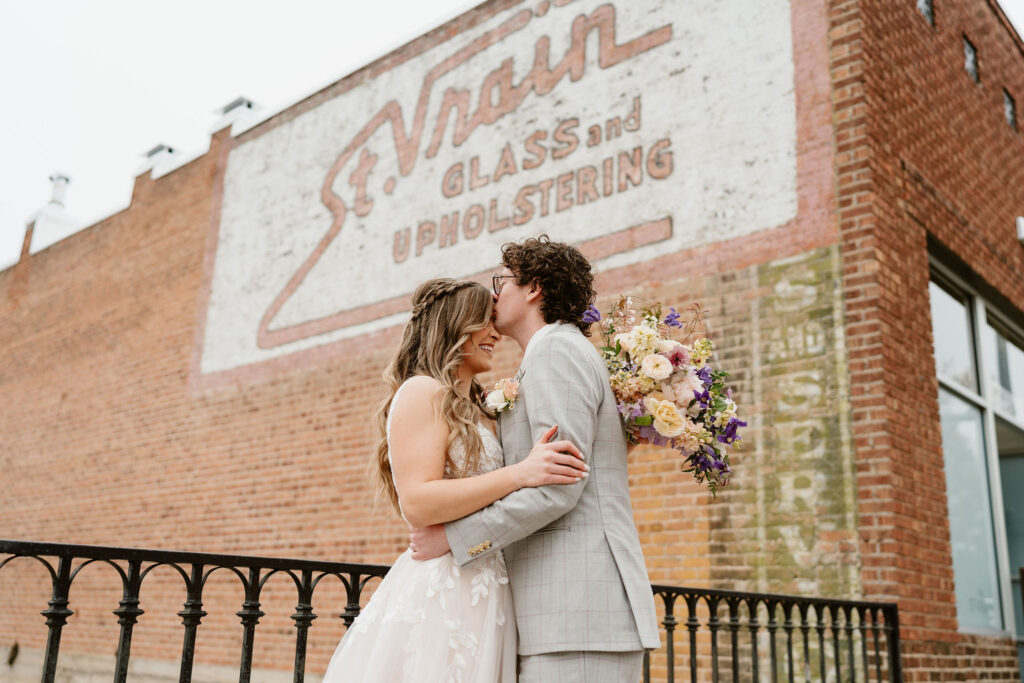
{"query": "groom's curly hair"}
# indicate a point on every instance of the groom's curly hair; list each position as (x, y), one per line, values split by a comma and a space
(562, 273)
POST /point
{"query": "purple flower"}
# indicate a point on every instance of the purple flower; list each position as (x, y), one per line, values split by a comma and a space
(703, 398)
(591, 315)
(705, 375)
(729, 434)
(704, 459)
(630, 409)
(651, 434)
(672, 319)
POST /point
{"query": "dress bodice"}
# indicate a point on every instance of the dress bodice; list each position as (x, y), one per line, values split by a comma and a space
(490, 459)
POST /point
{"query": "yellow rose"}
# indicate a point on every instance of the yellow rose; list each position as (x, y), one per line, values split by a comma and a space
(667, 420)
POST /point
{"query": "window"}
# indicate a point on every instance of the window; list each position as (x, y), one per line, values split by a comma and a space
(1006, 373)
(1010, 109)
(925, 8)
(979, 361)
(954, 339)
(971, 60)
(970, 520)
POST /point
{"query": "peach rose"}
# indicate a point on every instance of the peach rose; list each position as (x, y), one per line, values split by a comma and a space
(656, 367)
(510, 388)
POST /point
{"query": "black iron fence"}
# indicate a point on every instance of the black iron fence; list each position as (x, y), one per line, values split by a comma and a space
(731, 635)
(728, 635)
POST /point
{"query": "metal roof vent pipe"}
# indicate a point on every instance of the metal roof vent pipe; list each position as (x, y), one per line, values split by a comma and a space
(240, 113)
(52, 222)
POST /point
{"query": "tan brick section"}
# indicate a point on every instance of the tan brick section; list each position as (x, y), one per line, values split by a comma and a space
(111, 435)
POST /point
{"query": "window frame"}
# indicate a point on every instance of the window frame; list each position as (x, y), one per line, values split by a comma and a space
(980, 311)
(929, 14)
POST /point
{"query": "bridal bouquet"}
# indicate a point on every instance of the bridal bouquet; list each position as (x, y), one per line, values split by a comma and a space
(667, 392)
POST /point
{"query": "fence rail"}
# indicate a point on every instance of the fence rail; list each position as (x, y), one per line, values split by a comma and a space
(752, 623)
(854, 640)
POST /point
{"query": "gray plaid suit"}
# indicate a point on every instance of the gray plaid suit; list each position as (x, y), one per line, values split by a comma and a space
(574, 560)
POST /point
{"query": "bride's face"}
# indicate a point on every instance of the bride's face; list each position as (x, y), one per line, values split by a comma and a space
(479, 349)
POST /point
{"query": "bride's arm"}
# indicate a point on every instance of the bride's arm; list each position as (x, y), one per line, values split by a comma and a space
(419, 437)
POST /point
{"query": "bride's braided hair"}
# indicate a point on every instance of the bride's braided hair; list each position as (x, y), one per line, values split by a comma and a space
(445, 312)
(434, 290)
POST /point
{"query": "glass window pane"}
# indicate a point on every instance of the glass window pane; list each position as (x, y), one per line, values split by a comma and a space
(1006, 367)
(952, 331)
(1013, 501)
(970, 515)
(1010, 441)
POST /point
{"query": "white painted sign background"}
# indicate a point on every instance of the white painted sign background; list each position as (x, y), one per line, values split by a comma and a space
(716, 133)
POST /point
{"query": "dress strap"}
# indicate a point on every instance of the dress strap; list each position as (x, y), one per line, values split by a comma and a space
(394, 399)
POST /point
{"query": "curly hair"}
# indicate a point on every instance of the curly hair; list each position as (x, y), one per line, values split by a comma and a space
(562, 273)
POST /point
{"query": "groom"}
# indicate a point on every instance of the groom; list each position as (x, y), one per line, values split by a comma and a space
(583, 601)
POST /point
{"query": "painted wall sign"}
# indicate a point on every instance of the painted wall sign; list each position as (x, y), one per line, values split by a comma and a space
(636, 129)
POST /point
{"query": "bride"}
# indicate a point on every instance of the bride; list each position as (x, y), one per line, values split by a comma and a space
(439, 460)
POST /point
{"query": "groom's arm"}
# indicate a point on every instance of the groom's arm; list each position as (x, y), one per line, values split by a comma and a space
(560, 388)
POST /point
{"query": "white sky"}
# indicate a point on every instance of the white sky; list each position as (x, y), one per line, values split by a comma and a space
(89, 87)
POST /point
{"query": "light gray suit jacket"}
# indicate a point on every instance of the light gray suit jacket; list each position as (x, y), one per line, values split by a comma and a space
(574, 560)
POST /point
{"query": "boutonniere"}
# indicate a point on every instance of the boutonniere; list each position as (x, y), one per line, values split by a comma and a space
(503, 395)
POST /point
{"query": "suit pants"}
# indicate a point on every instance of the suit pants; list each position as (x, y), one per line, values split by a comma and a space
(582, 667)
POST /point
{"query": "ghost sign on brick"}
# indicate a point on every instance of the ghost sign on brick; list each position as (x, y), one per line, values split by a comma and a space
(634, 129)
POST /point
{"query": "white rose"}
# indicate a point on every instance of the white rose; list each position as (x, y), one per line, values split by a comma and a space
(656, 367)
(495, 399)
(666, 345)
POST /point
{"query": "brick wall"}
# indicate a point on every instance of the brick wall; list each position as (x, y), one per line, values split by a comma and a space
(109, 439)
(924, 157)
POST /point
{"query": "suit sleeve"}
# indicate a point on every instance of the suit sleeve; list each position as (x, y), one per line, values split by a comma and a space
(561, 387)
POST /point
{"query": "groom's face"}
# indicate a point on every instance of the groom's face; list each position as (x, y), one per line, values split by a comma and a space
(510, 304)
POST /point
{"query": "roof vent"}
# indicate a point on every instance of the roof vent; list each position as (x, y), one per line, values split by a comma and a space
(52, 222)
(239, 112)
(160, 156)
(60, 188)
(240, 102)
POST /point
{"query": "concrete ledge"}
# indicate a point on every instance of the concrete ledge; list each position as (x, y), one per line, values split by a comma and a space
(73, 667)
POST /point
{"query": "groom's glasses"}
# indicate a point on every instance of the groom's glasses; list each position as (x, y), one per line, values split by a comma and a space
(497, 284)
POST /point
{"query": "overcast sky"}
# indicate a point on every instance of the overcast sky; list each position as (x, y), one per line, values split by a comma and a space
(88, 87)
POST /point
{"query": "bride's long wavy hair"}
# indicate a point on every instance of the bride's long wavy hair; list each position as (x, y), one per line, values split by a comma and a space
(445, 313)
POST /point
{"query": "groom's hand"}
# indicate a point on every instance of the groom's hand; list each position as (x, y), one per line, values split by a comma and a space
(428, 542)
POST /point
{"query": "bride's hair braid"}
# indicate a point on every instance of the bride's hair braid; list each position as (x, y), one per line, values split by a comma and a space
(432, 290)
(444, 314)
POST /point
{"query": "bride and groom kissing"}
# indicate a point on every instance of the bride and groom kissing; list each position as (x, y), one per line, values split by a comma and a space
(524, 562)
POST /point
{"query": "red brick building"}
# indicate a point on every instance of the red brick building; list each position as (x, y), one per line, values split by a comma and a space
(839, 183)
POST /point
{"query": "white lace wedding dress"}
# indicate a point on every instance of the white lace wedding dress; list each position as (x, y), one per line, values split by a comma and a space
(433, 621)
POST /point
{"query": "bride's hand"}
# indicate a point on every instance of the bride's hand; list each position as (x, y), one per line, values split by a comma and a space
(554, 462)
